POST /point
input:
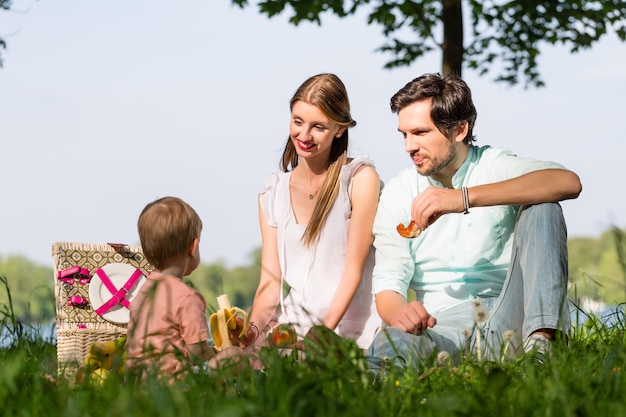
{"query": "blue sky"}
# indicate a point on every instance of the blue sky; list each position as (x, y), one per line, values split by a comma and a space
(105, 106)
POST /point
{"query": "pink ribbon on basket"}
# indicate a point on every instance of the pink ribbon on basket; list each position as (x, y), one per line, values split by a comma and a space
(118, 294)
(74, 272)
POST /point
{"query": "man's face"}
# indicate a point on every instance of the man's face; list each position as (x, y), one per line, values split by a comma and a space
(431, 151)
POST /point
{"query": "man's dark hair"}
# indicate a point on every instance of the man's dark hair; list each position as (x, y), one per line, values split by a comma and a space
(451, 97)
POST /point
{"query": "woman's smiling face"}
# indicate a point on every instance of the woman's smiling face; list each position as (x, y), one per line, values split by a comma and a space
(311, 132)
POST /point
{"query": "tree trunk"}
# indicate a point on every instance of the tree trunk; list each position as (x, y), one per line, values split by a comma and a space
(452, 46)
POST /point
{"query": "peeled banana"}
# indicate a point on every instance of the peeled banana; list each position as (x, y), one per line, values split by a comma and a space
(225, 320)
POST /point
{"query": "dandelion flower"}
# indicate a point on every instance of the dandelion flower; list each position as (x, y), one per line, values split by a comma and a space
(508, 337)
(443, 358)
(467, 333)
(397, 383)
(481, 314)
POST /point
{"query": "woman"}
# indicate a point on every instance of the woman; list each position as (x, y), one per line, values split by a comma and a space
(316, 221)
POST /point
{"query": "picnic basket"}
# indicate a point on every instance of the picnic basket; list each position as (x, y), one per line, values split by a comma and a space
(79, 325)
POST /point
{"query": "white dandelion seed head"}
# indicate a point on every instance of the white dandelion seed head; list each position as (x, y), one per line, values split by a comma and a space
(508, 335)
(476, 302)
(481, 314)
(443, 358)
(467, 333)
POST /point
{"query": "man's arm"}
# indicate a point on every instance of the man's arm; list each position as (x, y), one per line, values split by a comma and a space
(542, 186)
(395, 265)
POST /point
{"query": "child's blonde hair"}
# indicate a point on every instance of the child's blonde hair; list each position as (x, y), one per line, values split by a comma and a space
(167, 227)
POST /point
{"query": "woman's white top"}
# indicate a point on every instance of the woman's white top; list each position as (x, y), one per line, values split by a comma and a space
(313, 273)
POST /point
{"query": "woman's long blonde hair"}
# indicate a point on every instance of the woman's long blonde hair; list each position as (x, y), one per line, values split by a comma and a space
(328, 93)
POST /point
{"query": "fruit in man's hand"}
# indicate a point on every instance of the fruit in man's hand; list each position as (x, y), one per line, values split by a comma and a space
(283, 335)
(410, 231)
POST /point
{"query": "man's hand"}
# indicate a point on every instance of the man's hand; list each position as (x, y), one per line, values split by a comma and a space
(433, 203)
(412, 318)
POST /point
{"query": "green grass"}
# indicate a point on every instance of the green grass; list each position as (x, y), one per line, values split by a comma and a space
(584, 379)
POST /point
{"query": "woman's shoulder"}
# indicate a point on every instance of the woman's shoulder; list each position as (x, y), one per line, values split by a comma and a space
(359, 161)
(356, 165)
(360, 173)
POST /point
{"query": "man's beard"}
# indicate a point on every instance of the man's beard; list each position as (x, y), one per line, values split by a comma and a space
(439, 164)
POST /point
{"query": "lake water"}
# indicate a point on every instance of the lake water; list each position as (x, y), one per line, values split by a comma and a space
(47, 331)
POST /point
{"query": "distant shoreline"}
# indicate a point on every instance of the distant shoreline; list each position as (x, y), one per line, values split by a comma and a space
(47, 332)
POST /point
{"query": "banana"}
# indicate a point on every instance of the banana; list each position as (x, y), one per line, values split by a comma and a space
(219, 329)
(225, 320)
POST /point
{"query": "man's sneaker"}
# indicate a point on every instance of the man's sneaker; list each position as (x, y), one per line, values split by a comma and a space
(538, 345)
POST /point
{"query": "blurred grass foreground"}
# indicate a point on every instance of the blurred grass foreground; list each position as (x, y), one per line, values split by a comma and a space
(584, 378)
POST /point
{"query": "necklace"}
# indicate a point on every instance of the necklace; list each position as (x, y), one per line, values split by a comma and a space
(307, 184)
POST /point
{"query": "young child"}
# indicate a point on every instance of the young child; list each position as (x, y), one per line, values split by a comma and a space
(168, 329)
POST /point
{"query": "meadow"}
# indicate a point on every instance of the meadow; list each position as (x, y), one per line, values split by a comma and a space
(584, 378)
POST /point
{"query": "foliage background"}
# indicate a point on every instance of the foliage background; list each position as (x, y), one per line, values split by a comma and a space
(596, 272)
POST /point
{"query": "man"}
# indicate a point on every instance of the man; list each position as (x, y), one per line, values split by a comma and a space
(492, 237)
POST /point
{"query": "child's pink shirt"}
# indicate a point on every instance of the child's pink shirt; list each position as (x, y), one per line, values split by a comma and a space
(165, 317)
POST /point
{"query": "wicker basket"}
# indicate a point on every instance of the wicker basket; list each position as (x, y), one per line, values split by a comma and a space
(78, 327)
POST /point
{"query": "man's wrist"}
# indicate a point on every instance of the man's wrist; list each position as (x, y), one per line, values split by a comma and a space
(466, 203)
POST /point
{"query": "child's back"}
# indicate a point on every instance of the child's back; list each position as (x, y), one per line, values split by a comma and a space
(166, 317)
(168, 329)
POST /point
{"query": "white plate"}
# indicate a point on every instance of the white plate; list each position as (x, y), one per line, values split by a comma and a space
(99, 294)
